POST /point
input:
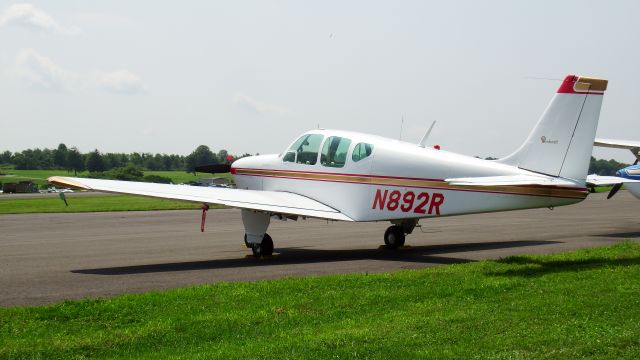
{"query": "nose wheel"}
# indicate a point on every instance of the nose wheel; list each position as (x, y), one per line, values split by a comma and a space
(265, 248)
(394, 236)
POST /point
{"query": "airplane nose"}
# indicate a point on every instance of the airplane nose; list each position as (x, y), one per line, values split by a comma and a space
(620, 173)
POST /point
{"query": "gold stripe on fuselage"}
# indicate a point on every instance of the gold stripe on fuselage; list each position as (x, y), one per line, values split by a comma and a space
(534, 190)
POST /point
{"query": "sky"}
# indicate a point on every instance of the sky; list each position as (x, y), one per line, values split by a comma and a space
(250, 76)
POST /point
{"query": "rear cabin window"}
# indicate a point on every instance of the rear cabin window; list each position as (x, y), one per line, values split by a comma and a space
(361, 151)
(334, 152)
(304, 150)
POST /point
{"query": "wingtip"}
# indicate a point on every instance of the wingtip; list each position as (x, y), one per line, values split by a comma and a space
(66, 182)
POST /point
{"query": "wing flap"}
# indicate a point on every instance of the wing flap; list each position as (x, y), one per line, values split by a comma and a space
(268, 201)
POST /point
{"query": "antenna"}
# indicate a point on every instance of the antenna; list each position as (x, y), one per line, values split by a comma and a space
(401, 124)
(423, 142)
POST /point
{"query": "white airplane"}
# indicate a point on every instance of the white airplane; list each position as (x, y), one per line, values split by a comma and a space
(349, 176)
(628, 176)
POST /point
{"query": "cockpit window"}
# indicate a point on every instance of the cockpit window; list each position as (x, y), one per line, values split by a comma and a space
(334, 151)
(304, 150)
(361, 151)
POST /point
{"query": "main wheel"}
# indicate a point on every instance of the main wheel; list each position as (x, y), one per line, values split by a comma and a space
(265, 248)
(394, 236)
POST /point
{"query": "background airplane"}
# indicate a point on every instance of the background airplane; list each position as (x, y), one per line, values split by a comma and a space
(351, 176)
(628, 176)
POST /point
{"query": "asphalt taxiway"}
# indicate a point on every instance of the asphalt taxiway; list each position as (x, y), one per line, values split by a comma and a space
(46, 258)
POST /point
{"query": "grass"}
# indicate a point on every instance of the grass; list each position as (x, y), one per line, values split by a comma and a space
(583, 304)
(40, 176)
(91, 204)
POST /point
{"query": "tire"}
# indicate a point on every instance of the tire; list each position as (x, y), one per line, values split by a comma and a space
(394, 237)
(246, 243)
(265, 248)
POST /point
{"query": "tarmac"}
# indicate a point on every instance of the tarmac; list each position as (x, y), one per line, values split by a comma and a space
(48, 258)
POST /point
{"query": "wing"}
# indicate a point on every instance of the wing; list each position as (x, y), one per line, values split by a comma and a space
(511, 180)
(267, 201)
(618, 144)
(597, 180)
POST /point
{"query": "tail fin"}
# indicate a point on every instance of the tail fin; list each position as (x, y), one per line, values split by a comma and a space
(562, 141)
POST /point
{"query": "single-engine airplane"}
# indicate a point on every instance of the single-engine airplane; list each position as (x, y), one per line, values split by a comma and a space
(628, 176)
(350, 176)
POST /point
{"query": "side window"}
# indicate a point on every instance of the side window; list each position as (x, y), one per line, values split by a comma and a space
(334, 151)
(361, 151)
(304, 150)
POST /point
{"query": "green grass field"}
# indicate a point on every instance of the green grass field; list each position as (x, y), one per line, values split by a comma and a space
(583, 304)
(91, 204)
(40, 176)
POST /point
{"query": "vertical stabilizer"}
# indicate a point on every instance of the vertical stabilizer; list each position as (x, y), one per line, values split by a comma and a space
(562, 141)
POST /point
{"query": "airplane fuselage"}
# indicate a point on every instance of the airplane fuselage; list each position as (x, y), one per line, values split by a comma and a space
(397, 180)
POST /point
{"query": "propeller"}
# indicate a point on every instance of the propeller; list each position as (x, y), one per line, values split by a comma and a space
(614, 190)
(214, 168)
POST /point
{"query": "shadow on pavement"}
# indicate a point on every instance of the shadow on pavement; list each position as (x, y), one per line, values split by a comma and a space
(624, 235)
(418, 254)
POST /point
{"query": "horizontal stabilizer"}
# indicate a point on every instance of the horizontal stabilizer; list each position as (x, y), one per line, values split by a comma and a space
(267, 201)
(597, 180)
(617, 144)
(511, 180)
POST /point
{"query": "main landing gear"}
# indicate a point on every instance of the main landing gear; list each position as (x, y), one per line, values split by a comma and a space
(264, 248)
(395, 235)
(256, 237)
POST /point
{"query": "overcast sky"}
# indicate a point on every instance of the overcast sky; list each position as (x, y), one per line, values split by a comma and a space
(250, 76)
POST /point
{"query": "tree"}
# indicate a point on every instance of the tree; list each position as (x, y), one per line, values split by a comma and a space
(222, 156)
(74, 160)
(136, 159)
(202, 155)
(94, 162)
(60, 156)
(5, 157)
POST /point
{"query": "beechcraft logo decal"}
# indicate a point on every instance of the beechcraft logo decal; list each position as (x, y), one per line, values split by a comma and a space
(545, 141)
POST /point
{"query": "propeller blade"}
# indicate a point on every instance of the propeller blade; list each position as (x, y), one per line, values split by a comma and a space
(635, 162)
(614, 190)
(214, 168)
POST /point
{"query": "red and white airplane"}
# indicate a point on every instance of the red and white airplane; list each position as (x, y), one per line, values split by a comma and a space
(349, 176)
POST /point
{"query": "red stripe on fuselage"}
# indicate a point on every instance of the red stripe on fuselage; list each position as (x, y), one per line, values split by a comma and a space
(407, 186)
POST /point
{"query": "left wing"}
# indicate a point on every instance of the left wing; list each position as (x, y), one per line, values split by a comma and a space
(268, 201)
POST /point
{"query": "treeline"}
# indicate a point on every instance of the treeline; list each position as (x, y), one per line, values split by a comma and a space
(72, 159)
(605, 167)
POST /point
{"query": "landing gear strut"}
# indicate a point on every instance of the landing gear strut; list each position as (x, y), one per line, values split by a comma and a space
(265, 248)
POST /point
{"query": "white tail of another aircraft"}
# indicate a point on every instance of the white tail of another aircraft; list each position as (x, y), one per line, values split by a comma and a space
(562, 141)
